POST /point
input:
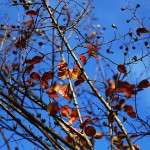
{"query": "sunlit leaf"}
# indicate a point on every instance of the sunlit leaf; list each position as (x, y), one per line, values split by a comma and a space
(92, 50)
(73, 116)
(62, 66)
(35, 76)
(136, 147)
(53, 108)
(122, 69)
(65, 110)
(83, 59)
(52, 93)
(90, 131)
(140, 31)
(98, 135)
(143, 84)
(64, 91)
(56, 86)
(32, 13)
(73, 74)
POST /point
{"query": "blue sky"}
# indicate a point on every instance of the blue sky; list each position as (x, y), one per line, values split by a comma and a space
(108, 12)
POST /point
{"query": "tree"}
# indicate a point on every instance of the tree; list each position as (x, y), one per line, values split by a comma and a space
(62, 85)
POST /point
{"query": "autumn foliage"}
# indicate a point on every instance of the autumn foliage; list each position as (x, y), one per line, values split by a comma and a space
(65, 84)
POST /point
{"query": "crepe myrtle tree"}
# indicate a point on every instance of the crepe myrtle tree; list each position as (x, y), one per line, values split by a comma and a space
(62, 85)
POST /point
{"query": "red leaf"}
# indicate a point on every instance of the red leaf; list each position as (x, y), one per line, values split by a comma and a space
(143, 84)
(141, 31)
(78, 82)
(47, 75)
(83, 59)
(90, 131)
(132, 114)
(53, 108)
(83, 125)
(34, 60)
(35, 76)
(31, 13)
(62, 66)
(133, 136)
(29, 22)
(128, 108)
(122, 69)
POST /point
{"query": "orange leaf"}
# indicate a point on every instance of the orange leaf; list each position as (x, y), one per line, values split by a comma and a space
(32, 13)
(73, 116)
(122, 69)
(29, 22)
(52, 93)
(44, 84)
(62, 66)
(136, 147)
(53, 108)
(92, 50)
(35, 76)
(90, 131)
(47, 75)
(140, 31)
(65, 110)
(83, 59)
(143, 84)
(98, 135)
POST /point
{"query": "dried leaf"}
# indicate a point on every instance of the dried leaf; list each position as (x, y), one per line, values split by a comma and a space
(47, 75)
(32, 13)
(65, 110)
(98, 135)
(90, 131)
(140, 31)
(52, 93)
(34, 60)
(53, 108)
(78, 82)
(136, 147)
(132, 114)
(122, 69)
(64, 91)
(29, 22)
(111, 118)
(35, 76)
(143, 84)
(133, 136)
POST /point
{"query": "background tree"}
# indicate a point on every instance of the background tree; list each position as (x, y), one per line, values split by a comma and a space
(64, 84)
